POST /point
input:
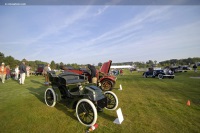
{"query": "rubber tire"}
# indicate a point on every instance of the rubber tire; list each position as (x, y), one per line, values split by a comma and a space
(93, 109)
(154, 73)
(115, 97)
(108, 83)
(160, 76)
(53, 96)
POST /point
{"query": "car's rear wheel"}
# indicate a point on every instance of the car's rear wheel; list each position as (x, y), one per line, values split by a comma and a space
(106, 85)
(86, 112)
(50, 97)
(154, 73)
(112, 100)
(160, 76)
(144, 75)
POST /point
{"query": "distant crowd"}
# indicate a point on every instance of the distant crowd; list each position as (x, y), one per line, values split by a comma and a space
(20, 72)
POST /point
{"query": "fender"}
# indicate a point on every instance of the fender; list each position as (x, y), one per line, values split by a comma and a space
(57, 92)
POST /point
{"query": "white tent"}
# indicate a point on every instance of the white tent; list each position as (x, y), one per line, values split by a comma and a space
(122, 66)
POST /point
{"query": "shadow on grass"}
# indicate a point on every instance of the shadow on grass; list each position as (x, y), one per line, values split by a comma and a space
(38, 93)
(36, 82)
(106, 116)
(13, 79)
(196, 101)
(63, 106)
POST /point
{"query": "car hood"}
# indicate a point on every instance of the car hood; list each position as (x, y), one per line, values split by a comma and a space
(105, 68)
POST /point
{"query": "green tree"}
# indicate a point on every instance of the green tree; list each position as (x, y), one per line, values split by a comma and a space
(99, 64)
(1, 57)
(57, 66)
(9, 60)
(61, 64)
(53, 65)
(149, 63)
(74, 65)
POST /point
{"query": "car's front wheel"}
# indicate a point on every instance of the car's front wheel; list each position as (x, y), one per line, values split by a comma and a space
(86, 112)
(112, 100)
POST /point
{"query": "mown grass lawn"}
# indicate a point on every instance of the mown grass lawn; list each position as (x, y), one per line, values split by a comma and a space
(148, 105)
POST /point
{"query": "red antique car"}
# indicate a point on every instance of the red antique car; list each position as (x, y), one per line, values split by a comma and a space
(104, 80)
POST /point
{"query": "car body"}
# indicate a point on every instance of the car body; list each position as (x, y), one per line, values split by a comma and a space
(104, 79)
(85, 97)
(186, 68)
(177, 69)
(159, 73)
(40, 69)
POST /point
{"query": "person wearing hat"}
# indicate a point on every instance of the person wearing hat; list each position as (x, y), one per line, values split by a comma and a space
(3, 72)
(93, 73)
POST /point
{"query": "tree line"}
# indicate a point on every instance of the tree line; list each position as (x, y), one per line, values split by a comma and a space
(151, 63)
(9, 60)
(12, 62)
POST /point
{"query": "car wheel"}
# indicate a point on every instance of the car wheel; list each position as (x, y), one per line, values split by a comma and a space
(50, 97)
(86, 112)
(112, 100)
(106, 85)
(145, 76)
(154, 73)
(160, 76)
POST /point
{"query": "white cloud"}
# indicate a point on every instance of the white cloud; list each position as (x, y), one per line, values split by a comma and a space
(101, 10)
(69, 36)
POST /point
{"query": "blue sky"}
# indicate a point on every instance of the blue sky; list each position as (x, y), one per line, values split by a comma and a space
(93, 34)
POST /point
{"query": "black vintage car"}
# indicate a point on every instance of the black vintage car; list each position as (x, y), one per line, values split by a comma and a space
(159, 73)
(86, 97)
(177, 69)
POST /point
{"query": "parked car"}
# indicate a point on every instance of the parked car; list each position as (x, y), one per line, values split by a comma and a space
(86, 97)
(105, 81)
(40, 69)
(177, 69)
(186, 68)
(158, 73)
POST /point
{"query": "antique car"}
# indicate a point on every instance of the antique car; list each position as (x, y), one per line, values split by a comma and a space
(159, 73)
(105, 81)
(177, 69)
(85, 97)
(39, 69)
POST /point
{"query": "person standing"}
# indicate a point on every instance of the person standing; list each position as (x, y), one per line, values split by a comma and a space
(121, 71)
(8, 72)
(28, 71)
(22, 71)
(16, 72)
(195, 68)
(45, 73)
(3, 72)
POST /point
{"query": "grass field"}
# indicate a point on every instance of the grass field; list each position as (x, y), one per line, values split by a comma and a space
(148, 105)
